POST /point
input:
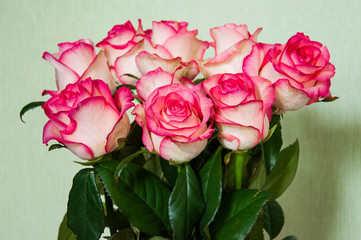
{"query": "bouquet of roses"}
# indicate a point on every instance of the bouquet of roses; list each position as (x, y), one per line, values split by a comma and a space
(202, 158)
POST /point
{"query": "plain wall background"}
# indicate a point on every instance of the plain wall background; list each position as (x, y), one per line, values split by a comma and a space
(323, 201)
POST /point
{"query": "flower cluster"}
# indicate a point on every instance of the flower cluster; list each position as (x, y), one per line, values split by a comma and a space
(241, 86)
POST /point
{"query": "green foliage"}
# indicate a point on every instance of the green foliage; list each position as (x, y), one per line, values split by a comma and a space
(330, 99)
(273, 219)
(140, 195)
(56, 146)
(237, 214)
(124, 162)
(186, 204)
(272, 147)
(211, 180)
(65, 232)
(291, 237)
(257, 172)
(124, 234)
(170, 171)
(85, 210)
(256, 232)
(284, 171)
(28, 107)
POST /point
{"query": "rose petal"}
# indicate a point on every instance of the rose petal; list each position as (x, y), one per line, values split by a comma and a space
(123, 98)
(97, 108)
(64, 75)
(180, 152)
(192, 48)
(152, 80)
(120, 130)
(51, 132)
(237, 137)
(126, 65)
(288, 98)
(141, 120)
(148, 62)
(78, 58)
(99, 69)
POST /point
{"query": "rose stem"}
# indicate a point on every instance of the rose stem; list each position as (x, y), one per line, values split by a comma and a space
(241, 158)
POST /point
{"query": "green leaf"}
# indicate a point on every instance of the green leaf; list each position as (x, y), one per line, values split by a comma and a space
(291, 237)
(170, 171)
(284, 171)
(153, 165)
(185, 204)
(65, 232)
(132, 76)
(237, 214)
(330, 99)
(120, 220)
(85, 208)
(273, 219)
(124, 234)
(272, 147)
(133, 138)
(258, 174)
(125, 162)
(56, 146)
(256, 232)
(211, 180)
(29, 106)
(158, 238)
(198, 81)
(140, 195)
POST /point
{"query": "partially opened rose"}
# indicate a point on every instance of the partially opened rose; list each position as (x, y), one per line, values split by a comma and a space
(77, 61)
(121, 46)
(299, 70)
(241, 106)
(86, 119)
(137, 52)
(232, 43)
(174, 121)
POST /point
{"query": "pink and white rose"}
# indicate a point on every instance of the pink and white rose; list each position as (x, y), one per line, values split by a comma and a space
(77, 61)
(86, 118)
(232, 43)
(174, 121)
(121, 46)
(241, 104)
(137, 52)
(299, 70)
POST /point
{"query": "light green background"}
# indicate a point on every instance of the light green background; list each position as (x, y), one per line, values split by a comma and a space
(324, 200)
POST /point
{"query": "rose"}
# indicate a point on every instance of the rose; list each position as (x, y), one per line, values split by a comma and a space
(299, 70)
(77, 61)
(174, 121)
(121, 46)
(241, 106)
(168, 36)
(232, 43)
(138, 52)
(86, 119)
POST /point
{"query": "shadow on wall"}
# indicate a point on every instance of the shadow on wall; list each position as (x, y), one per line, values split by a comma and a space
(314, 206)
